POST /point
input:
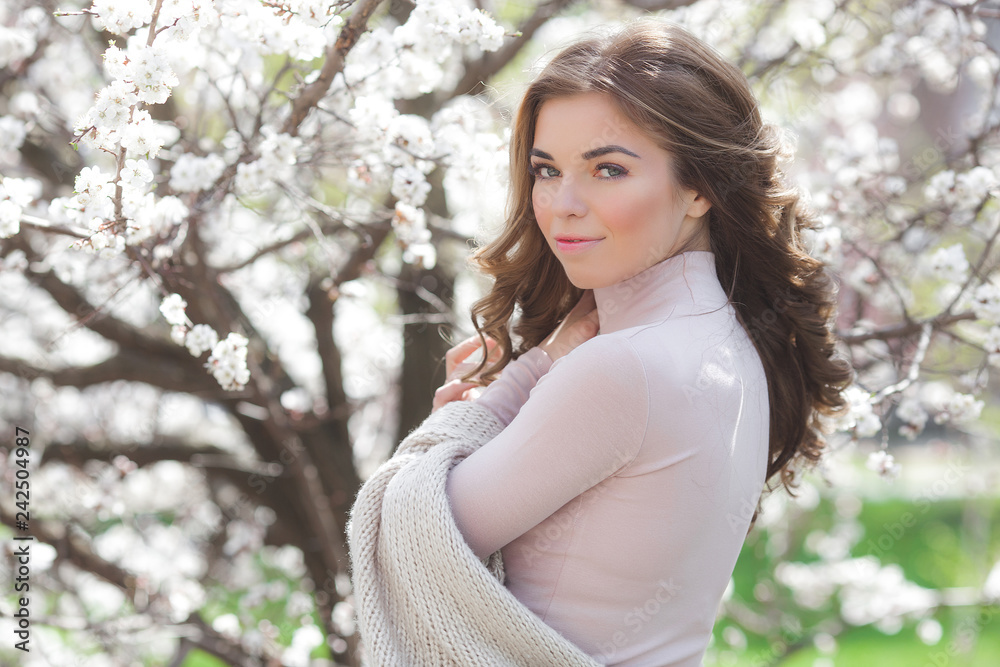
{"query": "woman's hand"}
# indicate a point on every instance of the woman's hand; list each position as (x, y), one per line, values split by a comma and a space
(579, 326)
(457, 364)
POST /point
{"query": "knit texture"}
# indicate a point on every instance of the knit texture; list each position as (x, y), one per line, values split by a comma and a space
(421, 594)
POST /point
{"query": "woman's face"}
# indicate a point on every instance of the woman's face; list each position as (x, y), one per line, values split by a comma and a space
(604, 194)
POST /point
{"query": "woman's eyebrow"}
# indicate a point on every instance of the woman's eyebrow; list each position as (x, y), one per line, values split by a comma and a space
(604, 150)
(589, 155)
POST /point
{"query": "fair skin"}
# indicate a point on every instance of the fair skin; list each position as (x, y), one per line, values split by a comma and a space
(605, 196)
(606, 200)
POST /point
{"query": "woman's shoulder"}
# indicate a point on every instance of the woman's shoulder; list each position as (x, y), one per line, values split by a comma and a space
(608, 362)
(677, 350)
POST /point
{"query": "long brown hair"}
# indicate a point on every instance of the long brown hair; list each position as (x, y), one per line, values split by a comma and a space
(700, 108)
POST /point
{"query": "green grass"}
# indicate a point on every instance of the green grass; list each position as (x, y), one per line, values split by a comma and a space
(201, 659)
(947, 543)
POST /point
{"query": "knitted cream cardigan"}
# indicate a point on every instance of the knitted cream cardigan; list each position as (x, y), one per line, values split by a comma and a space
(422, 595)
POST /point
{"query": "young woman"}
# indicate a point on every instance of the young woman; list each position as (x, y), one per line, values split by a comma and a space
(672, 354)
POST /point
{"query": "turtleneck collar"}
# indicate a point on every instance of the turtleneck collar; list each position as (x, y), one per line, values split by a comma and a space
(684, 284)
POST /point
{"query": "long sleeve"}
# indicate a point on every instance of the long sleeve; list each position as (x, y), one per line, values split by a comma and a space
(422, 597)
(505, 396)
(583, 421)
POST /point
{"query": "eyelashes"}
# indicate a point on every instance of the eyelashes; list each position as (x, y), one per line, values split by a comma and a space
(611, 172)
(621, 171)
(536, 171)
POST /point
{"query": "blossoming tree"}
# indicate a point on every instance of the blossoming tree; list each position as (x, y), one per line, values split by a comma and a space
(230, 232)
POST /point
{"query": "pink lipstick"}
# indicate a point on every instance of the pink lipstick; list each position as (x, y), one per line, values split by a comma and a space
(573, 244)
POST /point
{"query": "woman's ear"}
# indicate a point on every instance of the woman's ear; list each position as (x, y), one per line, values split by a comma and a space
(698, 205)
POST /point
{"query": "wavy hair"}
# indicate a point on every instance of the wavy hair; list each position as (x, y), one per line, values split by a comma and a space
(699, 108)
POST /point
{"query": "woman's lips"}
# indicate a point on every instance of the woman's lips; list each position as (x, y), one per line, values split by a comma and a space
(569, 245)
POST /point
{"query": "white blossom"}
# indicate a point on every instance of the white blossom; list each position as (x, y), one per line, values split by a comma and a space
(22, 191)
(253, 177)
(959, 409)
(152, 74)
(410, 186)
(15, 44)
(949, 264)
(304, 640)
(10, 218)
(172, 308)
(228, 362)
(92, 203)
(137, 173)
(191, 173)
(490, 33)
(411, 230)
(411, 134)
(973, 185)
(372, 116)
(860, 415)
(177, 333)
(112, 110)
(939, 187)
(913, 416)
(121, 16)
(200, 339)
(279, 148)
(142, 138)
(168, 211)
(986, 302)
(92, 180)
(186, 18)
(884, 464)
(115, 63)
(992, 346)
(12, 133)
(963, 191)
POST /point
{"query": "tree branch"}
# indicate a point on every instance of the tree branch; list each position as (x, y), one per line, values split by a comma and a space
(126, 365)
(310, 96)
(75, 304)
(164, 448)
(905, 329)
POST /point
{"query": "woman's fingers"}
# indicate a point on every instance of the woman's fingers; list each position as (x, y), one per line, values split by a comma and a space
(456, 360)
(451, 391)
(459, 352)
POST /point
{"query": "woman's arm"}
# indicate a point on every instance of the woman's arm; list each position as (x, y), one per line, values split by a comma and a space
(585, 420)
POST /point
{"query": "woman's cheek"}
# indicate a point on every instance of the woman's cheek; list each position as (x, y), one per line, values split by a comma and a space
(539, 204)
(539, 201)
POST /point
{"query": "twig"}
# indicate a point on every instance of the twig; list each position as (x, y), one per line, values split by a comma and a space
(905, 329)
(914, 372)
(46, 226)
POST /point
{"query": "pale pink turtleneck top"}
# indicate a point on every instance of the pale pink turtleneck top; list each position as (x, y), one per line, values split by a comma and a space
(623, 485)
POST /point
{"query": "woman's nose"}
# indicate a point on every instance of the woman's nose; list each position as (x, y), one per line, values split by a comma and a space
(567, 200)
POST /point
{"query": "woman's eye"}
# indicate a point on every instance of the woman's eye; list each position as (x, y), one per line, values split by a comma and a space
(610, 171)
(543, 171)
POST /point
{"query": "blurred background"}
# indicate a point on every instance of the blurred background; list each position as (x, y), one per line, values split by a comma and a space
(233, 243)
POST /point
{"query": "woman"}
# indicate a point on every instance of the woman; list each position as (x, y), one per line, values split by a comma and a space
(674, 353)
